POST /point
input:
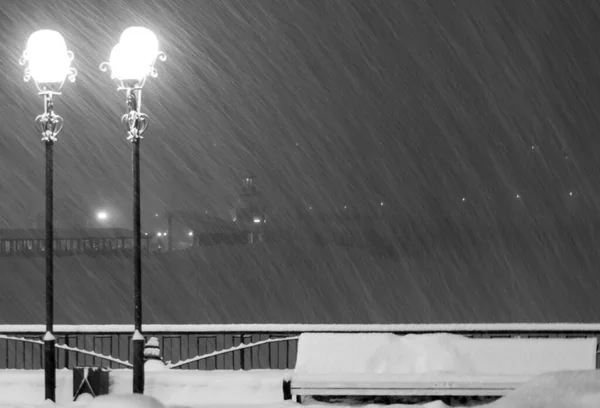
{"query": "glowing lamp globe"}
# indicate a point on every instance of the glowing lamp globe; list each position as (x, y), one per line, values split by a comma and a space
(141, 38)
(48, 58)
(132, 59)
(120, 66)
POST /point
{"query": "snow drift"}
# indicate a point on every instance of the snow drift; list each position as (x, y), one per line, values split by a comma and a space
(125, 401)
(382, 353)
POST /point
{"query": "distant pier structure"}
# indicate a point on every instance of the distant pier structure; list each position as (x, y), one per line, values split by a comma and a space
(250, 211)
(31, 242)
(192, 229)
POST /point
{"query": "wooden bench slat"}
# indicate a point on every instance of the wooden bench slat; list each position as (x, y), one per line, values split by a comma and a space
(483, 392)
(406, 385)
(416, 379)
(403, 383)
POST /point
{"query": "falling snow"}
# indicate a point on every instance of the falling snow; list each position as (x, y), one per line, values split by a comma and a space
(455, 143)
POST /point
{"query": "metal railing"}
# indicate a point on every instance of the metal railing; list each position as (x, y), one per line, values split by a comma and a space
(70, 246)
(226, 347)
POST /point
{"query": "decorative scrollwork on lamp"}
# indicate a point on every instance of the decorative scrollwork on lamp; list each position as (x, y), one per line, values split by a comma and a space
(49, 123)
(135, 125)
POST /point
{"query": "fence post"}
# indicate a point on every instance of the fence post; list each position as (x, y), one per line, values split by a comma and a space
(242, 354)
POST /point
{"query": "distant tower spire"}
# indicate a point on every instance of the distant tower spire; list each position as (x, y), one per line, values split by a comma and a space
(250, 210)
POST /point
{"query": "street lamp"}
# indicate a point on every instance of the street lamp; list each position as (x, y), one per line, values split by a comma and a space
(48, 62)
(103, 218)
(131, 62)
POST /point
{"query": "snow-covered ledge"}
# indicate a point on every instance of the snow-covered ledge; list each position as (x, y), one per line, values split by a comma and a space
(307, 328)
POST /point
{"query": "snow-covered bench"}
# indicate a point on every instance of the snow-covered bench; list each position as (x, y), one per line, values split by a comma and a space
(380, 364)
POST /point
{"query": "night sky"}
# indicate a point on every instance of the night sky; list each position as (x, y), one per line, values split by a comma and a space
(471, 110)
(477, 113)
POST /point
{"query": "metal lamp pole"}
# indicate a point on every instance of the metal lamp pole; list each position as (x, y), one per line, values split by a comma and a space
(131, 62)
(135, 123)
(49, 65)
(50, 125)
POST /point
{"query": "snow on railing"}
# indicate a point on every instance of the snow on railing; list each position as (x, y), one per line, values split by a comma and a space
(303, 328)
(69, 348)
(229, 350)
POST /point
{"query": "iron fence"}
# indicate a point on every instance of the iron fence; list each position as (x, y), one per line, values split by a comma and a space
(20, 346)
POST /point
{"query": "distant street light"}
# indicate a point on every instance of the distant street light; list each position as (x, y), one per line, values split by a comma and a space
(49, 65)
(102, 216)
(131, 62)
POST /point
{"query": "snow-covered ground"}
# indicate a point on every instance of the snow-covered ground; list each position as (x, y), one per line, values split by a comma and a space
(228, 389)
(187, 388)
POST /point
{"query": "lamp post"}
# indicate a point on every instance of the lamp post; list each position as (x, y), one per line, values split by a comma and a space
(49, 64)
(131, 62)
